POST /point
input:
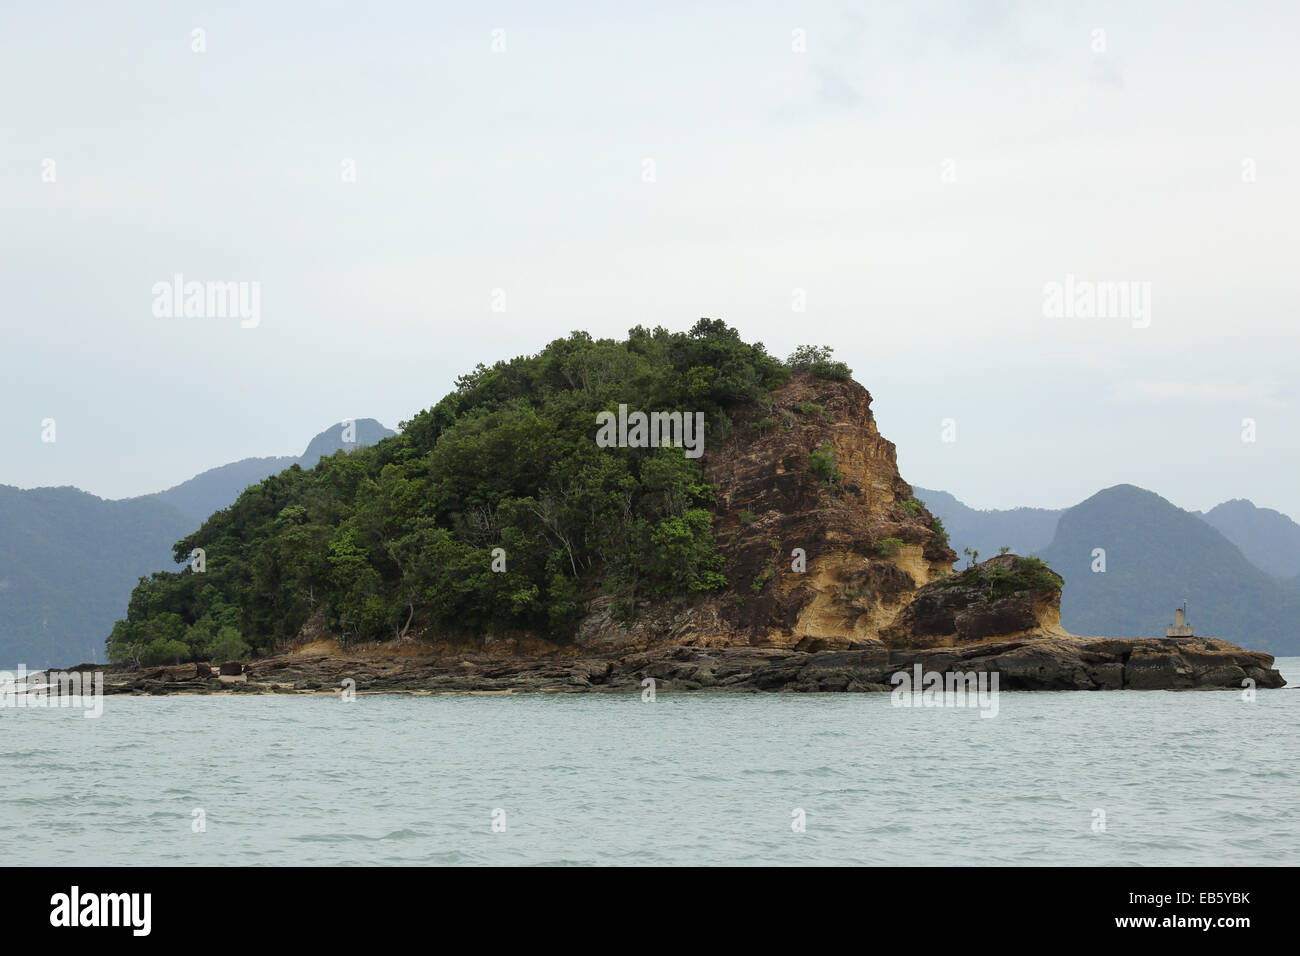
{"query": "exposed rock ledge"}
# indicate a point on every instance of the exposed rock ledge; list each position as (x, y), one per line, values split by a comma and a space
(1038, 662)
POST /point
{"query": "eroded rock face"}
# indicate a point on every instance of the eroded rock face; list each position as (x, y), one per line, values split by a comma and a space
(866, 546)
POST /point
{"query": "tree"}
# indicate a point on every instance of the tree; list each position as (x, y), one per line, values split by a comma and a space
(818, 360)
(229, 646)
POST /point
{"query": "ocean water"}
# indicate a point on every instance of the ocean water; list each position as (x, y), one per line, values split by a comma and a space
(1192, 778)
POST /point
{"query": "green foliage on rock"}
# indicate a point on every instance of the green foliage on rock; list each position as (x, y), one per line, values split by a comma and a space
(888, 547)
(823, 465)
(811, 408)
(997, 581)
(914, 506)
(818, 360)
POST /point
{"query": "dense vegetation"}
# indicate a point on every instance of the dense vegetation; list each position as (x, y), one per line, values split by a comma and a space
(495, 508)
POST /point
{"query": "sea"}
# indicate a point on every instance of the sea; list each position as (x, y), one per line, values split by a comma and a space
(1116, 778)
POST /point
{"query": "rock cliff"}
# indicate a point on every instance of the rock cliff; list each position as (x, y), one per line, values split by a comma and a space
(812, 559)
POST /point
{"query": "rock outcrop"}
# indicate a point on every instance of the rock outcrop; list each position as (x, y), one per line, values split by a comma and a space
(1002, 598)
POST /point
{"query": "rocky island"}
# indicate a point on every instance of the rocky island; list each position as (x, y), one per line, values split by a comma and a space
(495, 546)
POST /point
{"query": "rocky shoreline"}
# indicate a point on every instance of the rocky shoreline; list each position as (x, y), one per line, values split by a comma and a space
(1036, 662)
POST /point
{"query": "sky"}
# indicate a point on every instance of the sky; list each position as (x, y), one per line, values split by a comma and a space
(414, 188)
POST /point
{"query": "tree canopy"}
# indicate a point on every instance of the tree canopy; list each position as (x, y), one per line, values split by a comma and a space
(406, 532)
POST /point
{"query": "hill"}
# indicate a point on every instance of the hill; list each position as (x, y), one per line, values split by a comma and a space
(1268, 538)
(1023, 530)
(218, 487)
(508, 515)
(1157, 556)
(69, 560)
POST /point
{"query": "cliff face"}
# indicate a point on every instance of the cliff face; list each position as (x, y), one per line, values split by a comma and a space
(812, 560)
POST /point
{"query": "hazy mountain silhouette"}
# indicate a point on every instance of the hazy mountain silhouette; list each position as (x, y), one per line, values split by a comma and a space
(218, 487)
(1023, 530)
(68, 559)
(1157, 556)
(68, 562)
(1268, 538)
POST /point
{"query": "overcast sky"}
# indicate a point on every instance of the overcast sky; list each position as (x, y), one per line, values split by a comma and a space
(919, 172)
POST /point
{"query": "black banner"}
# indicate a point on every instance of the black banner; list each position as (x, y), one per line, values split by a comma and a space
(305, 905)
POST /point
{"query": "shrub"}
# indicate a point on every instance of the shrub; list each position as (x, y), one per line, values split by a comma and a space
(817, 359)
(1026, 574)
(165, 652)
(940, 532)
(229, 646)
(811, 408)
(889, 547)
(823, 465)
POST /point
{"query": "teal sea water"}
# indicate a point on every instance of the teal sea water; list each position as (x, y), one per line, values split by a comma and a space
(1192, 778)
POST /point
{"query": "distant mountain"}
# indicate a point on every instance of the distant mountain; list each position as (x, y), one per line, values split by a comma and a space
(1023, 530)
(1238, 565)
(360, 433)
(218, 488)
(68, 560)
(1268, 538)
(1156, 556)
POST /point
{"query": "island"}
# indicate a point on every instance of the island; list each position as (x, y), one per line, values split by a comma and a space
(743, 527)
